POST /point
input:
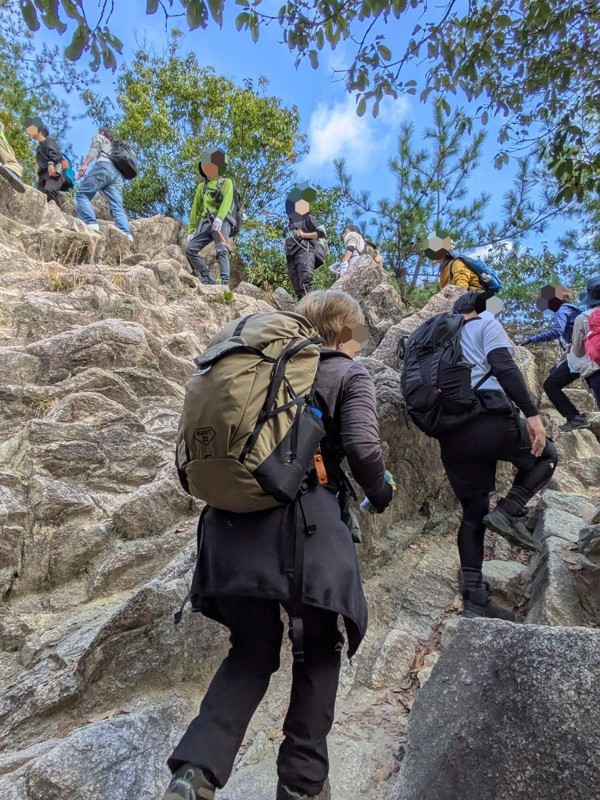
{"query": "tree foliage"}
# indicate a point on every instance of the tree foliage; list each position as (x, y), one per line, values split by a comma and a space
(434, 180)
(535, 63)
(525, 272)
(171, 109)
(33, 81)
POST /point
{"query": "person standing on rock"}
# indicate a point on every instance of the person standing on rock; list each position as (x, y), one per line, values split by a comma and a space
(245, 573)
(305, 241)
(578, 357)
(209, 217)
(10, 169)
(561, 375)
(49, 160)
(104, 177)
(470, 452)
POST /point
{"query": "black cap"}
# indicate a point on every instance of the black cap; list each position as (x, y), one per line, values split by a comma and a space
(591, 297)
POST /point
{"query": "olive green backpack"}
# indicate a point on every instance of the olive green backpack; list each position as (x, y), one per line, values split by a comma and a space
(248, 432)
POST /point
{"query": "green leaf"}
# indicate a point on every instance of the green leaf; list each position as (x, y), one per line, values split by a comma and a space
(71, 9)
(78, 43)
(216, 10)
(385, 52)
(151, 6)
(361, 107)
(485, 118)
(314, 58)
(197, 14)
(30, 15)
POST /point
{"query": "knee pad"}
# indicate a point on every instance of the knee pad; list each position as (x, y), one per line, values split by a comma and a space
(543, 470)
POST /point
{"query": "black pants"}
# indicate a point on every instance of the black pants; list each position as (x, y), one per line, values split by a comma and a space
(470, 455)
(559, 377)
(51, 187)
(213, 739)
(301, 266)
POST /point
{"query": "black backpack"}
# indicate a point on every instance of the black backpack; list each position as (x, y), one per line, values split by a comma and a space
(436, 379)
(124, 158)
(236, 215)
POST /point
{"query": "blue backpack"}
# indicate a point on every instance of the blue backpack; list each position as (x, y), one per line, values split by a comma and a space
(68, 173)
(487, 277)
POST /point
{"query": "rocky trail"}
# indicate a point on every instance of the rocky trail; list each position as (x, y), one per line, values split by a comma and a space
(97, 543)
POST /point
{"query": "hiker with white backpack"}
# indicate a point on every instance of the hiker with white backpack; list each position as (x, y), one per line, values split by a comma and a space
(268, 418)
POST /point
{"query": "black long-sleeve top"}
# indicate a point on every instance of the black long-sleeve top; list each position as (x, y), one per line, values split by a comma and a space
(48, 152)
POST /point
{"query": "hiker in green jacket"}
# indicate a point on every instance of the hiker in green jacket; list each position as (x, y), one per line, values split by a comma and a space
(10, 169)
(209, 217)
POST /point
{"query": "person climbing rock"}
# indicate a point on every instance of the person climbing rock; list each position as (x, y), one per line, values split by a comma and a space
(305, 240)
(210, 217)
(104, 177)
(581, 358)
(355, 246)
(247, 569)
(10, 169)
(49, 160)
(470, 452)
(561, 375)
(455, 272)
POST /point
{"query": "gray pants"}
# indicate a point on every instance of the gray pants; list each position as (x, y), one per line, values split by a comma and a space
(203, 236)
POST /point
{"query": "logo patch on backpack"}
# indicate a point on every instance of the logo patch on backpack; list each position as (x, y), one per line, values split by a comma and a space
(205, 435)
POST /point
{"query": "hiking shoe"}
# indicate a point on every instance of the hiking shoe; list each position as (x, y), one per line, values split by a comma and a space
(512, 528)
(580, 421)
(285, 793)
(190, 783)
(12, 177)
(478, 603)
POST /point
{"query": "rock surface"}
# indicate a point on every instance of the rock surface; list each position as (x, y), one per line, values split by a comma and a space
(97, 539)
(460, 744)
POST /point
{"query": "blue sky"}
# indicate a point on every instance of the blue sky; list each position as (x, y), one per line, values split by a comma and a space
(327, 111)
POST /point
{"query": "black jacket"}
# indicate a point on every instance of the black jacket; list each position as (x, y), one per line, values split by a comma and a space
(252, 555)
(48, 152)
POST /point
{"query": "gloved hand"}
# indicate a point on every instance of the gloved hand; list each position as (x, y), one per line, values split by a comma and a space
(190, 236)
(369, 507)
(522, 342)
(217, 224)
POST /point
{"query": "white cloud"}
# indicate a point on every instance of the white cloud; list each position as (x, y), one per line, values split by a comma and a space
(337, 132)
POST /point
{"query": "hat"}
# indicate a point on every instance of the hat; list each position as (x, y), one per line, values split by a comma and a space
(591, 297)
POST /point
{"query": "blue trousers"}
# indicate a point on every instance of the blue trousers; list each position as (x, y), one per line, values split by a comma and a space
(103, 177)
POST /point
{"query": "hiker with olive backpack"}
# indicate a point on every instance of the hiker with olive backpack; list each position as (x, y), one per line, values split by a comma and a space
(115, 162)
(275, 405)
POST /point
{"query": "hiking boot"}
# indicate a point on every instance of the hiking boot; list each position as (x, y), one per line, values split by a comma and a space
(478, 603)
(189, 783)
(285, 793)
(12, 177)
(579, 421)
(511, 527)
